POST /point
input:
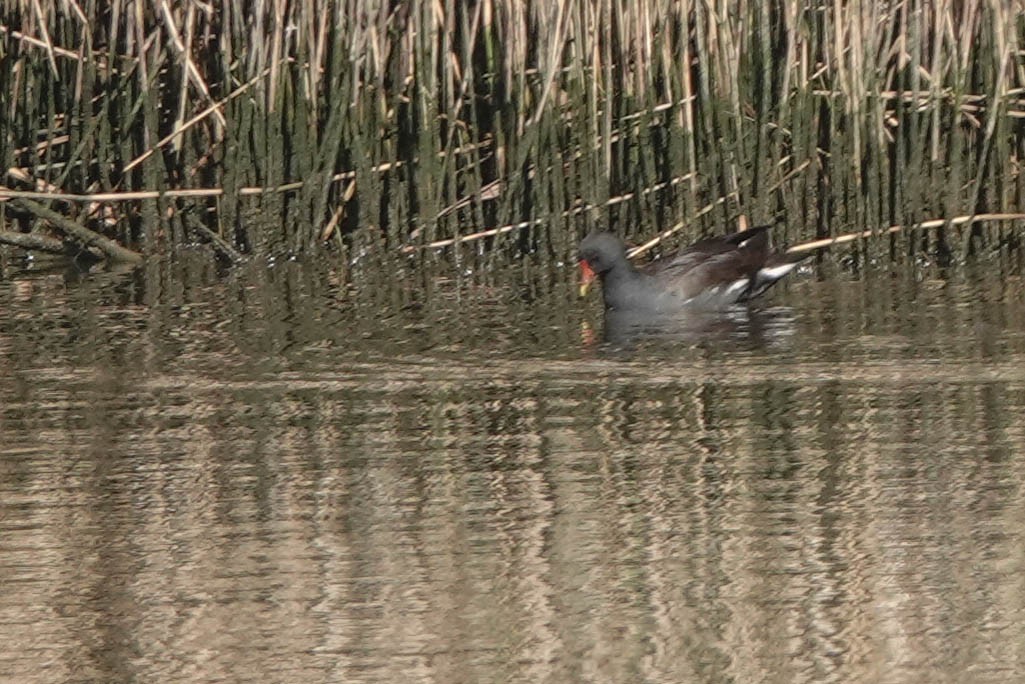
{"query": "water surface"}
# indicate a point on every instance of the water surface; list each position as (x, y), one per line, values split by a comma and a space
(281, 474)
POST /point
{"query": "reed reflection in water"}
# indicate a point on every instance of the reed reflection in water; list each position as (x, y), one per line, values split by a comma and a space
(843, 503)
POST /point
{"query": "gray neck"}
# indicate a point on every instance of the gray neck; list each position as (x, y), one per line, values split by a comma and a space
(620, 285)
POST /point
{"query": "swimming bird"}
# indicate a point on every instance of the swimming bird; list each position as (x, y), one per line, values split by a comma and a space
(713, 273)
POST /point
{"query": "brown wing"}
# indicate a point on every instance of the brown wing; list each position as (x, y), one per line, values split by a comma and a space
(725, 276)
(703, 250)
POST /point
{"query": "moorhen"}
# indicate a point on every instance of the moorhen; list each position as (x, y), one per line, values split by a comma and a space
(713, 273)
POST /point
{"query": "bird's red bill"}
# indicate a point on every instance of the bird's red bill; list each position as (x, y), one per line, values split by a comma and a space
(587, 276)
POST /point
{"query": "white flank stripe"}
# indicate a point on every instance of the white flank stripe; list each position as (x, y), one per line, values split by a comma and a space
(776, 272)
(736, 286)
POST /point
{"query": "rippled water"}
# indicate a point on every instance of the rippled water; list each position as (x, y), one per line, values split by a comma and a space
(276, 475)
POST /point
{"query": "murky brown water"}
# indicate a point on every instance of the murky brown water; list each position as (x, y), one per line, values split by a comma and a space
(272, 476)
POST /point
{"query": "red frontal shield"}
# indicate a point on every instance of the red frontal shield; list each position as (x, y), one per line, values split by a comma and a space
(587, 276)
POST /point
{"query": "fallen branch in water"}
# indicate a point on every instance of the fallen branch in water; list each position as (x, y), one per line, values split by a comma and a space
(219, 244)
(33, 241)
(79, 233)
(933, 223)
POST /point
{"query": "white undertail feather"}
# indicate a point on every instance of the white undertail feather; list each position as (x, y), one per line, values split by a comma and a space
(776, 272)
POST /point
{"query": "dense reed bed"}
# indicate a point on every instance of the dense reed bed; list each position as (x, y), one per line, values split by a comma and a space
(277, 127)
